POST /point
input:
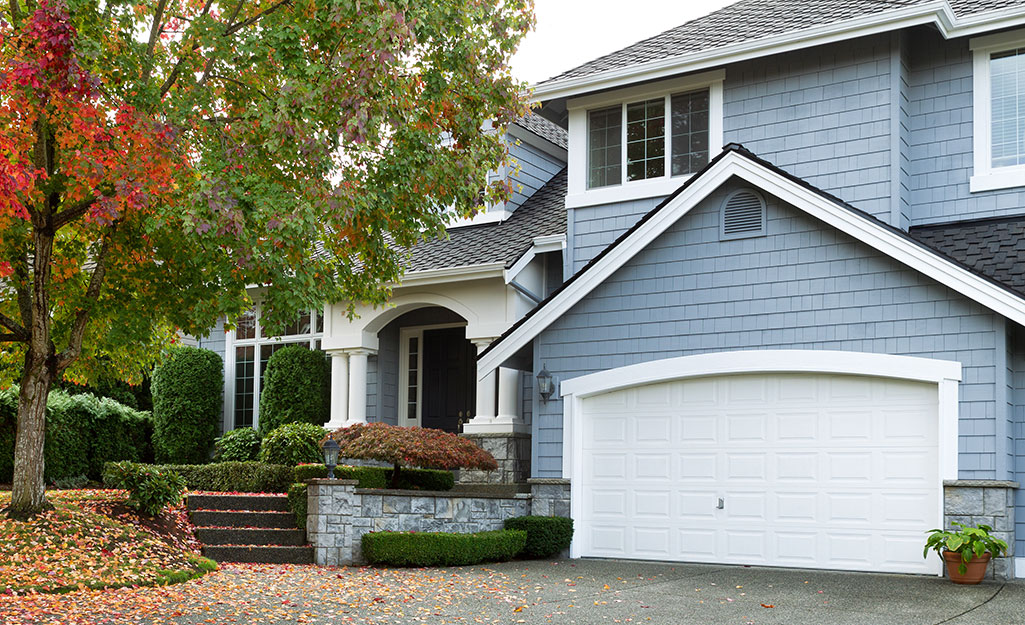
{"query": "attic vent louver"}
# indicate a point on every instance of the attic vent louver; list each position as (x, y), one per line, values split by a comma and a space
(743, 215)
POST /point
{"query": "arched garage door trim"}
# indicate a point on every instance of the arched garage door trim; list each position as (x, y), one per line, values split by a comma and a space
(943, 373)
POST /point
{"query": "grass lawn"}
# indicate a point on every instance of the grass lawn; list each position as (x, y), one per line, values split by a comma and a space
(91, 539)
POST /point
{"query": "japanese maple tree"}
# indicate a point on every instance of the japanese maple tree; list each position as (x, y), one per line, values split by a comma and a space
(158, 157)
(410, 447)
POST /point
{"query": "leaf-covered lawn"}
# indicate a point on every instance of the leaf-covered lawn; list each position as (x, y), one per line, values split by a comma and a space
(92, 540)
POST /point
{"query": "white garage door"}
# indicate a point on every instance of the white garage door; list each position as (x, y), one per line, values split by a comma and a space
(797, 470)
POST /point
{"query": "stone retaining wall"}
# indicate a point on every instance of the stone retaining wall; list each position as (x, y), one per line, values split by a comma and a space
(339, 514)
(989, 502)
(511, 451)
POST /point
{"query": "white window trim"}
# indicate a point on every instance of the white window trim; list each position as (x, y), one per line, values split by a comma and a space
(401, 399)
(579, 195)
(231, 341)
(985, 177)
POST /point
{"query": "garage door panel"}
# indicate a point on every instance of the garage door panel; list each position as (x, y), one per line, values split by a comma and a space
(814, 471)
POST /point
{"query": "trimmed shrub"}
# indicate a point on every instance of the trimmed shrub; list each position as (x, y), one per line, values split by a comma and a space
(295, 389)
(547, 536)
(187, 405)
(241, 445)
(380, 477)
(293, 444)
(442, 549)
(410, 447)
(298, 504)
(230, 477)
(150, 489)
(82, 433)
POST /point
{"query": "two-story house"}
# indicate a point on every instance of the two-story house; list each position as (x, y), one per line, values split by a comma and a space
(777, 291)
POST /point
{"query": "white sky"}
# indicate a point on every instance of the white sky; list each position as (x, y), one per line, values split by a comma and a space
(572, 32)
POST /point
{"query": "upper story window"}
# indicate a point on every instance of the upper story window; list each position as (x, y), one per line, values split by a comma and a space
(999, 111)
(644, 141)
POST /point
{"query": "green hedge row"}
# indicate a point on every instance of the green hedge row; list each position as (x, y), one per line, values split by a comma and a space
(83, 433)
(380, 477)
(242, 477)
(442, 549)
(298, 503)
(547, 536)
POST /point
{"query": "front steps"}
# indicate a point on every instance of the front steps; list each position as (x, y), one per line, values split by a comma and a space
(248, 528)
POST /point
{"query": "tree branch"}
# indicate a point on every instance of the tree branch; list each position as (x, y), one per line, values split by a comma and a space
(15, 12)
(154, 32)
(241, 84)
(68, 215)
(92, 293)
(17, 331)
(173, 76)
(12, 338)
(234, 28)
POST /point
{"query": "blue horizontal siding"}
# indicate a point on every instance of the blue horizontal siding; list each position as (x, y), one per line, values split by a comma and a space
(804, 286)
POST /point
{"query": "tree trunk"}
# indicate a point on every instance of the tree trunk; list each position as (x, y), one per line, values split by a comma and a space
(28, 494)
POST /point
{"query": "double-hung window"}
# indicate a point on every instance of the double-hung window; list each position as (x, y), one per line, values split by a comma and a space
(999, 111)
(643, 142)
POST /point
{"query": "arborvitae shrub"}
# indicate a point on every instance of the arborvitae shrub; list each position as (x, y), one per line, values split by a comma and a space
(295, 389)
(187, 406)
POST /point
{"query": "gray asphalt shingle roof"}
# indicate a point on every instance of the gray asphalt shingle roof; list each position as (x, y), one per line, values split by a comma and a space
(544, 213)
(544, 129)
(748, 20)
(994, 248)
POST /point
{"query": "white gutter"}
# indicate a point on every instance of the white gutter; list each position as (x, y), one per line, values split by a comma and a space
(452, 274)
(937, 12)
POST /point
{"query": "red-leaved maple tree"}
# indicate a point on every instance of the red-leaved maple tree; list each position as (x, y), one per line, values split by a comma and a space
(410, 447)
(158, 157)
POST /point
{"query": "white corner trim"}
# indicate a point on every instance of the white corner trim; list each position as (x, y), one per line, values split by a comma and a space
(874, 234)
(937, 13)
(549, 243)
(1019, 567)
(452, 274)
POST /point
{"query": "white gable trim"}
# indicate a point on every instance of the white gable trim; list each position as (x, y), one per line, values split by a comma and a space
(733, 163)
(938, 13)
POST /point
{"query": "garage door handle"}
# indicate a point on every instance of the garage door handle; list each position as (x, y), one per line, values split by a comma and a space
(721, 505)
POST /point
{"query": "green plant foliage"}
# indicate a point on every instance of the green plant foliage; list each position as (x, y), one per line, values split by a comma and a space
(547, 536)
(298, 504)
(241, 477)
(187, 406)
(241, 445)
(410, 447)
(150, 489)
(442, 549)
(380, 477)
(970, 542)
(293, 444)
(296, 389)
(82, 433)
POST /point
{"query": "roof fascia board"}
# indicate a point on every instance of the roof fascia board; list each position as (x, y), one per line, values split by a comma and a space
(537, 142)
(451, 274)
(733, 164)
(549, 243)
(938, 13)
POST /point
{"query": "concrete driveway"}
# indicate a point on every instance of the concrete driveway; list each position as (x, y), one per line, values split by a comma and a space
(562, 591)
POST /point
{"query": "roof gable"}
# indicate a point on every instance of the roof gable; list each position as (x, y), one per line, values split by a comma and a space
(739, 162)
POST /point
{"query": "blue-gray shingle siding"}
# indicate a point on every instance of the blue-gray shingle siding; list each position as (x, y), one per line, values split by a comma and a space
(803, 286)
(530, 169)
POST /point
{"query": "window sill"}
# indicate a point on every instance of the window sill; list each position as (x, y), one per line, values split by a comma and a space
(1004, 178)
(642, 189)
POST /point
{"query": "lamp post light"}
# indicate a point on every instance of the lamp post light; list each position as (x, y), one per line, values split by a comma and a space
(545, 386)
(330, 449)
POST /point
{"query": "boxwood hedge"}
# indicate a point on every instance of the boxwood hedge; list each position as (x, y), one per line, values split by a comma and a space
(440, 548)
(547, 536)
(379, 477)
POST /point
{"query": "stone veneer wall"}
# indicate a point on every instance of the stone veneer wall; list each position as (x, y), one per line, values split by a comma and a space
(549, 496)
(512, 451)
(989, 502)
(339, 514)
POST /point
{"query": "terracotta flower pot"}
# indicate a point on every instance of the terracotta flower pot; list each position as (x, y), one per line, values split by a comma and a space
(976, 567)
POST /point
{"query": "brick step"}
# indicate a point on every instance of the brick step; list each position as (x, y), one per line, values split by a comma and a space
(247, 536)
(259, 554)
(241, 519)
(278, 503)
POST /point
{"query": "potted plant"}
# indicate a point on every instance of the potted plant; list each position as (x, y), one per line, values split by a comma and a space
(966, 551)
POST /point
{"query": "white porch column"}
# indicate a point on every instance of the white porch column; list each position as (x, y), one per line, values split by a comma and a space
(339, 390)
(358, 385)
(509, 395)
(485, 412)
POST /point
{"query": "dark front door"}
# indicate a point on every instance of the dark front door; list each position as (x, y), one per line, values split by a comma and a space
(450, 389)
